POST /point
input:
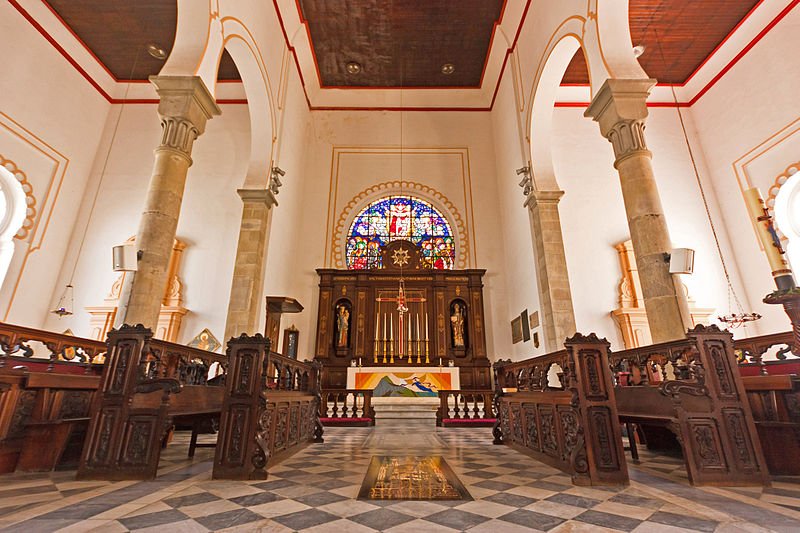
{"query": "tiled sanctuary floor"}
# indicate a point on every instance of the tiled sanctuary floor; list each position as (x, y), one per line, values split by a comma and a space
(315, 490)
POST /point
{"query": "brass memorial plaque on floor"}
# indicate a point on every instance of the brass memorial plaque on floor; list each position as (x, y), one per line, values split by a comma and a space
(411, 478)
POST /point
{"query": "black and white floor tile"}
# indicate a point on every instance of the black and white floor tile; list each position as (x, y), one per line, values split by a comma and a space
(315, 491)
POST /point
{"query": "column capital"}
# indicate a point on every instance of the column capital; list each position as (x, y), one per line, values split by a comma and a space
(187, 98)
(620, 108)
(536, 198)
(259, 196)
(185, 105)
(620, 100)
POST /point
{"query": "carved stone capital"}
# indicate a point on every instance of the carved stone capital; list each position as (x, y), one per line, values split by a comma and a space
(620, 108)
(537, 198)
(185, 105)
(257, 196)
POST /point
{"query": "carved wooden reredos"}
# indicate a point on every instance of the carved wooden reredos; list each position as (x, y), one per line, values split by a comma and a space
(444, 322)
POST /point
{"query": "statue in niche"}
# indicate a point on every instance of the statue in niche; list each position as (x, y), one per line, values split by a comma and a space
(343, 325)
(457, 326)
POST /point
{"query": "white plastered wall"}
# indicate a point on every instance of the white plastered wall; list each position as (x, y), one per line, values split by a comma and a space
(51, 121)
(747, 126)
(208, 224)
(362, 133)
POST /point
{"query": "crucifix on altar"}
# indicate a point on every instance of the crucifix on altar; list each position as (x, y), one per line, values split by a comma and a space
(410, 340)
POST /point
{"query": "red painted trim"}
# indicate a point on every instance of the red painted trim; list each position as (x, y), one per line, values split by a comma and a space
(60, 49)
(304, 22)
(690, 103)
(720, 45)
(292, 50)
(649, 104)
(744, 51)
(509, 51)
(496, 25)
(85, 47)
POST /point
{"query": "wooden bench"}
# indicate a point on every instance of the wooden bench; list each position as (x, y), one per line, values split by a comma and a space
(270, 411)
(560, 408)
(775, 402)
(346, 407)
(692, 389)
(465, 408)
(147, 385)
(45, 396)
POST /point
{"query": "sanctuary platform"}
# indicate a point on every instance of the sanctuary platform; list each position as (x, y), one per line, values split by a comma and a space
(410, 412)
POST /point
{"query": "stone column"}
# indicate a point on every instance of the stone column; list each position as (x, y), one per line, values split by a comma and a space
(555, 298)
(620, 108)
(250, 262)
(185, 106)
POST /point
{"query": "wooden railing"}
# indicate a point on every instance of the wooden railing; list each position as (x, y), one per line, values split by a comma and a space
(285, 373)
(692, 388)
(654, 364)
(466, 407)
(543, 373)
(560, 408)
(15, 343)
(751, 350)
(187, 365)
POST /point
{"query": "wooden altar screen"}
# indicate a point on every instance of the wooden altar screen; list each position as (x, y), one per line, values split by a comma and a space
(358, 319)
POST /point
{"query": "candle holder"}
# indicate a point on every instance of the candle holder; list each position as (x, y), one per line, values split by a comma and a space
(427, 353)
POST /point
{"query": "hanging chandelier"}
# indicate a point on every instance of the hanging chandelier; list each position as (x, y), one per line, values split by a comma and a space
(734, 320)
(65, 303)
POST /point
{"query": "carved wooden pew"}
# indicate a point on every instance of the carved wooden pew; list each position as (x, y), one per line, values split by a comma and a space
(270, 411)
(14, 410)
(750, 353)
(465, 408)
(775, 402)
(560, 409)
(146, 386)
(346, 407)
(692, 388)
(44, 400)
(65, 353)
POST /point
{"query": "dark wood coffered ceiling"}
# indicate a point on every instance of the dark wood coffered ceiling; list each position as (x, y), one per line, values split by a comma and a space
(118, 31)
(678, 35)
(401, 42)
(404, 41)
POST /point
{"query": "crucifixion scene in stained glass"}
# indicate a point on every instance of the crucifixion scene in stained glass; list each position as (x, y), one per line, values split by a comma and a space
(400, 217)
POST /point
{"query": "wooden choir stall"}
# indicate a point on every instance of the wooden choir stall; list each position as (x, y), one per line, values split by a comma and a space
(402, 317)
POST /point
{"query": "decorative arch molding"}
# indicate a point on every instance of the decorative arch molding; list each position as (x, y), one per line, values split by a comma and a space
(30, 199)
(775, 188)
(397, 187)
(199, 53)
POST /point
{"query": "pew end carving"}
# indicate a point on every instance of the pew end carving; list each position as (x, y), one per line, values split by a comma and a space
(560, 408)
(692, 387)
(270, 410)
(146, 385)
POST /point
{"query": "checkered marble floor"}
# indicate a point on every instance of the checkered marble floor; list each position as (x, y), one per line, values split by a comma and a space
(315, 491)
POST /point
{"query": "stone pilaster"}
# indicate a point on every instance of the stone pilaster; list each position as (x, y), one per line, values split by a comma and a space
(185, 105)
(555, 298)
(249, 264)
(620, 108)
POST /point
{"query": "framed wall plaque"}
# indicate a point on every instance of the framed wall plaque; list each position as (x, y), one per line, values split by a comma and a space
(526, 329)
(516, 330)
